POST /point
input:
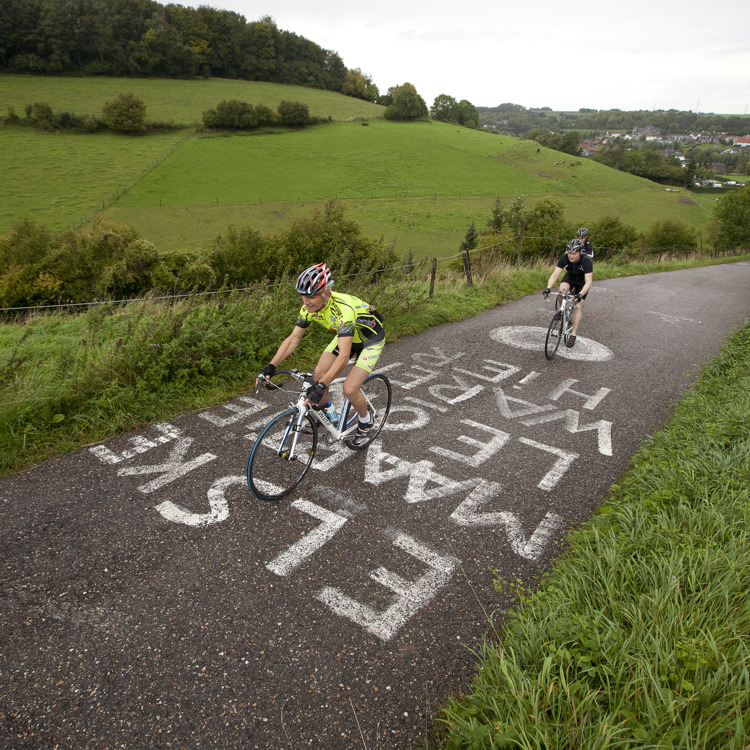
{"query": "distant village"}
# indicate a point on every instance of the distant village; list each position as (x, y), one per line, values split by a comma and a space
(732, 145)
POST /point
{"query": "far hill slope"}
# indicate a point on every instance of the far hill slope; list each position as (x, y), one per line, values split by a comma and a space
(418, 184)
(183, 102)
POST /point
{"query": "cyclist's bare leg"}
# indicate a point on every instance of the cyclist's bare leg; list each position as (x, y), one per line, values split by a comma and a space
(324, 365)
(577, 318)
(352, 389)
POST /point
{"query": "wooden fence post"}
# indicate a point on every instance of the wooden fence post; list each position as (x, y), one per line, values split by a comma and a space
(467, 267)
(432, 276)
(520, 241)
(643, 247)
(554, 250)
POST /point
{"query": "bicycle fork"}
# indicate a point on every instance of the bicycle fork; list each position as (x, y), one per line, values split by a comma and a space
(285, 450)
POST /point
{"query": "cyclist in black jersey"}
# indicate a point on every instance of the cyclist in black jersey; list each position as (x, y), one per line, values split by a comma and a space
(583, 235)
(579, 276)
(359, 333)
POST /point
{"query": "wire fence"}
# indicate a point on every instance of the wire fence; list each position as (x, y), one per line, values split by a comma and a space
(639, 254)
(119, 192)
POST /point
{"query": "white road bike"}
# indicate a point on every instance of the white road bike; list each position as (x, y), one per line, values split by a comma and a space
(284, 451)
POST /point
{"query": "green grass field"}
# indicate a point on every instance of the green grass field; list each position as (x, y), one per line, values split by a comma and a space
(418, 185)
(183, 102)
(61, 180)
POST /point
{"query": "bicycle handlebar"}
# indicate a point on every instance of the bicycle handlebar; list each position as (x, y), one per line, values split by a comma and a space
(300, 377)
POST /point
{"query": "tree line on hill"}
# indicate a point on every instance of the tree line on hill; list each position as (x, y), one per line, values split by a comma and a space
(145, 38)
(515, 119)
(111, 262)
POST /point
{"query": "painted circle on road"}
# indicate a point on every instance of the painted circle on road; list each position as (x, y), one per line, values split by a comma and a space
(532, 337)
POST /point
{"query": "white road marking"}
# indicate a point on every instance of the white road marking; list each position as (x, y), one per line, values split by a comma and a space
(173, 468)
(469, 514)
(409, 596)
(532, 338)
(217, 502)
(294, 556)
(140, 445)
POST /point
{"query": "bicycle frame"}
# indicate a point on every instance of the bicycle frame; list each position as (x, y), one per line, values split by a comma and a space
(338, 432)
(560, 326)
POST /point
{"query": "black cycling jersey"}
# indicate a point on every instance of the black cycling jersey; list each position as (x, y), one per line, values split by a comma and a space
(588, 248)
(575, 272)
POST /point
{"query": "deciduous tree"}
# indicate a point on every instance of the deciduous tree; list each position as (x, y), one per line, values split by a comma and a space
(125, 114)
(730, 223)
(407, 104)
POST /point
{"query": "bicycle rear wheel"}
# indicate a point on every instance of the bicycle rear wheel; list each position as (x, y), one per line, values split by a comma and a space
(554, 335)
(377, 392)
(277, 462)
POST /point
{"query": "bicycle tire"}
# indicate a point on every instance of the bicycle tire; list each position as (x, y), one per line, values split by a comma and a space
(270, 473)
(377, 392)
(554, 335)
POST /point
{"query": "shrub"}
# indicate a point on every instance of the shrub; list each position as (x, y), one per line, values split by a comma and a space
(730, 224)
(243, 255)
(611, 235)
(671, 235)
(132, 274)
(125, 114)
(407, 104)
(12, 118)
(231, 114)
(42, 113)
(294, 113)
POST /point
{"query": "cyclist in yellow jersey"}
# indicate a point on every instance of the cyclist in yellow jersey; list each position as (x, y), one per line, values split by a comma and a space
(359, 333)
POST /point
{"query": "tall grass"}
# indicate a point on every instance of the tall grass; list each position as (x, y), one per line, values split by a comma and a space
(640, 637)
(66, 380)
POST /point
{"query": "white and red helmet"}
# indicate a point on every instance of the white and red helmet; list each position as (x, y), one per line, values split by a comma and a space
(314, 280)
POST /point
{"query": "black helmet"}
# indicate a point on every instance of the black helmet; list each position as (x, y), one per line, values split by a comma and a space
(582, 233)
(314, 280)
(574, 246)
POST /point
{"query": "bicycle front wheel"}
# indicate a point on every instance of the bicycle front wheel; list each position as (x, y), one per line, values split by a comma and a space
(282, 455)
(377, 392)
(554, 335)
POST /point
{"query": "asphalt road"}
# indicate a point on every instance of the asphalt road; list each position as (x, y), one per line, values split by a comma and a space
(148, 600)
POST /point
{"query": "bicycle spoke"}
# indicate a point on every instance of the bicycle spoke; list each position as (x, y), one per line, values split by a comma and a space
(281, 456)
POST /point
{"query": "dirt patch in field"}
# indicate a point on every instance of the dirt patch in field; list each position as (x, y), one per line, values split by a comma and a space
(685, 199)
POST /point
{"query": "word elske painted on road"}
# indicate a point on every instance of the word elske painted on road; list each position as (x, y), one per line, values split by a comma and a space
(432, 383)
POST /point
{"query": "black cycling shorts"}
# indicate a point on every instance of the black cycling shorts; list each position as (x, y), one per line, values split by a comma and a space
(575, 286)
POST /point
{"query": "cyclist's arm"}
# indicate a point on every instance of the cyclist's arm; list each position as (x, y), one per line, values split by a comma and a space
(589, 280)
(553, 278)
(288, 345)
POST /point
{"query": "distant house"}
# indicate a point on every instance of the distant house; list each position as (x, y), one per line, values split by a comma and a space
(743, 142)
(587, 148)
(650, 132)
(719, 167)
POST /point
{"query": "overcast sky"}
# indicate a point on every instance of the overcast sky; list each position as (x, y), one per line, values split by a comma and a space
(660, 54)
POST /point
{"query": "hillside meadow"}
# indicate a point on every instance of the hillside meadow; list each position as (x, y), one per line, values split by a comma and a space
(418, 185)
(182, 102)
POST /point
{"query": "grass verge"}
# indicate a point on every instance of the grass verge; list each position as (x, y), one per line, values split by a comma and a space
(639, 636)
(68, 380)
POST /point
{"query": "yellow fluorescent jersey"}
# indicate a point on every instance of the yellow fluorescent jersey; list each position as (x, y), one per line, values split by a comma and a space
(346, 316)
